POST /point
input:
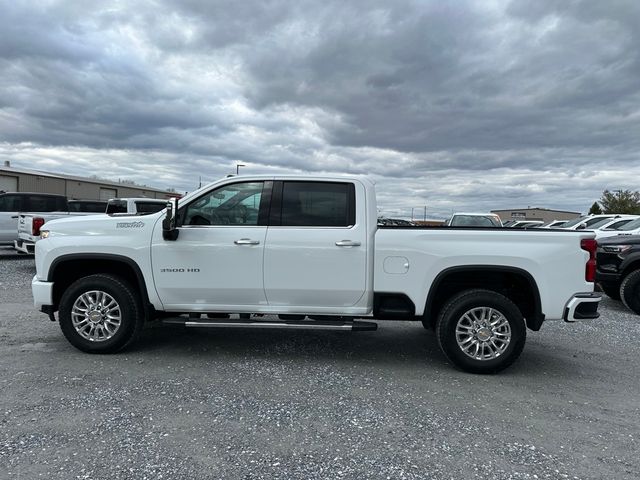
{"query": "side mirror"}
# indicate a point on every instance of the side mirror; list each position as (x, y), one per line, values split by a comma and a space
(581, 227)
(169, 224)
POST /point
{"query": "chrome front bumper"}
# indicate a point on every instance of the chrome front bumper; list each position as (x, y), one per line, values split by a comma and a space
(582, 306)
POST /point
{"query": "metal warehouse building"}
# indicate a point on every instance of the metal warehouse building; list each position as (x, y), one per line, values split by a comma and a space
(544, 214)
(75, 188)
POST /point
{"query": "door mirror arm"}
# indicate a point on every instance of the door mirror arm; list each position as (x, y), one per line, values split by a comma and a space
(170, 223)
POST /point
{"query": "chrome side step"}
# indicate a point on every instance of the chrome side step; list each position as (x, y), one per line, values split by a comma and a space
(297, 324)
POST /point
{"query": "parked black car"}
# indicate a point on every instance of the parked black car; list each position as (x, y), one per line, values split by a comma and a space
(618, 269)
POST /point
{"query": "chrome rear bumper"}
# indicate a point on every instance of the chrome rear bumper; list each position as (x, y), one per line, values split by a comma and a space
(582, 306)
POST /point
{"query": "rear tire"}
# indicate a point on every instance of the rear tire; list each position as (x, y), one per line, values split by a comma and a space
(481, 331)
(100, 314)
(611, 289)
(630, 291)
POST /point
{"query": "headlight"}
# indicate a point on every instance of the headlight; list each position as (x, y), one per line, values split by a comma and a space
(44, 233)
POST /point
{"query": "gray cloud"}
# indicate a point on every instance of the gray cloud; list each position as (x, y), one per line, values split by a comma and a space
(461, 105)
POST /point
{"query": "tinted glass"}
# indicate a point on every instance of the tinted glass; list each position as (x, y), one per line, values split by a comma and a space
(84, 206)
(631, 225)
(596, 222)
(150, 207)
(619, 224)
(116, 206)
(318, 204)
(236, 204)
(573, 222)
(37, 203)
(11, 203)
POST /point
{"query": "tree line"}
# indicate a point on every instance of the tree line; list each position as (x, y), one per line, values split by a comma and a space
(617, 201)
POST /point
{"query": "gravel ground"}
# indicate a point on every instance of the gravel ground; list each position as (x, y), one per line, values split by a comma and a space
(199, 404)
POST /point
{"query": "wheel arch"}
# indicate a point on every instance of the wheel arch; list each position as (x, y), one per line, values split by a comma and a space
(630, 263)
(515, 283)
(66, 269)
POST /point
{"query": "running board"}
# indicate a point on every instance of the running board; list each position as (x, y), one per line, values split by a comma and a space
(297, 324)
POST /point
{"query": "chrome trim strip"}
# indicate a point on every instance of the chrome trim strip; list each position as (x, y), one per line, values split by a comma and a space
(309, 326)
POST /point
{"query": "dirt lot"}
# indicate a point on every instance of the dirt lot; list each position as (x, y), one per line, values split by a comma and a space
(196, 404)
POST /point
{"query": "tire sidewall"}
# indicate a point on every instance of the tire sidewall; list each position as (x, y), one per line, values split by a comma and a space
(121, 293)
(630, 291)
(457, 307)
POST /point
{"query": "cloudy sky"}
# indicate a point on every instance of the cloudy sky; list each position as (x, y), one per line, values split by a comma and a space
(456, 105)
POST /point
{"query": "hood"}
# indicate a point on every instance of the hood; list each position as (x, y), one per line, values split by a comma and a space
(101, 223)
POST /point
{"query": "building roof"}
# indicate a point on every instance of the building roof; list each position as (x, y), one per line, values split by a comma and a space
(533, 208)
(79, 179)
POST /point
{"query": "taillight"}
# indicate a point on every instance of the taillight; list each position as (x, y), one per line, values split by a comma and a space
(590, 245)
(36, 224)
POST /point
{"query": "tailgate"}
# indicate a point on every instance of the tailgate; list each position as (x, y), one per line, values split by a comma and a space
(25, 223)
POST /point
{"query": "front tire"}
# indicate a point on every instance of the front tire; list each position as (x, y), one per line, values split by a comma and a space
(100, 314)
(630, 291)
(481, 331)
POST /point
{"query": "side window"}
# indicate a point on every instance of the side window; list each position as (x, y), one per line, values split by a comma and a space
(116, 206)
(149, 207)
(11, 203)
(235, 204)
(84, 206)
(318, 204)
(42, 204)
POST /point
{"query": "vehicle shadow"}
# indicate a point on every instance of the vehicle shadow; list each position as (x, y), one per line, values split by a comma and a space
(394, 344)
(407, 342)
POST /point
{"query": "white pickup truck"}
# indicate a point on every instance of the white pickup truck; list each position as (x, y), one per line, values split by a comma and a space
(310, 251)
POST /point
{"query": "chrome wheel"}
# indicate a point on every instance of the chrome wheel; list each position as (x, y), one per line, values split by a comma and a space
(483, 333)
(96, 316)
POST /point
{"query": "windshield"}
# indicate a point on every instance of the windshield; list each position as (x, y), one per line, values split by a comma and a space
(631, 225)
(573, 223)
(618, 224)
(599, 223)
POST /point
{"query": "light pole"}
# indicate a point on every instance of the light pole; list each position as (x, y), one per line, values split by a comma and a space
(238, 165)
(425, 212)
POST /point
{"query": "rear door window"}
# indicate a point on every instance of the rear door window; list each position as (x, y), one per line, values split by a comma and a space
(317, 204)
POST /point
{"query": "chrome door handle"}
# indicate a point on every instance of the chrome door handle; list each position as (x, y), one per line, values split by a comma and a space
(347, 243)
(246, 241)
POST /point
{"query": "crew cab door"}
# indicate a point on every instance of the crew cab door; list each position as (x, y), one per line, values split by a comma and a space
(316, 246)
(216, 261)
